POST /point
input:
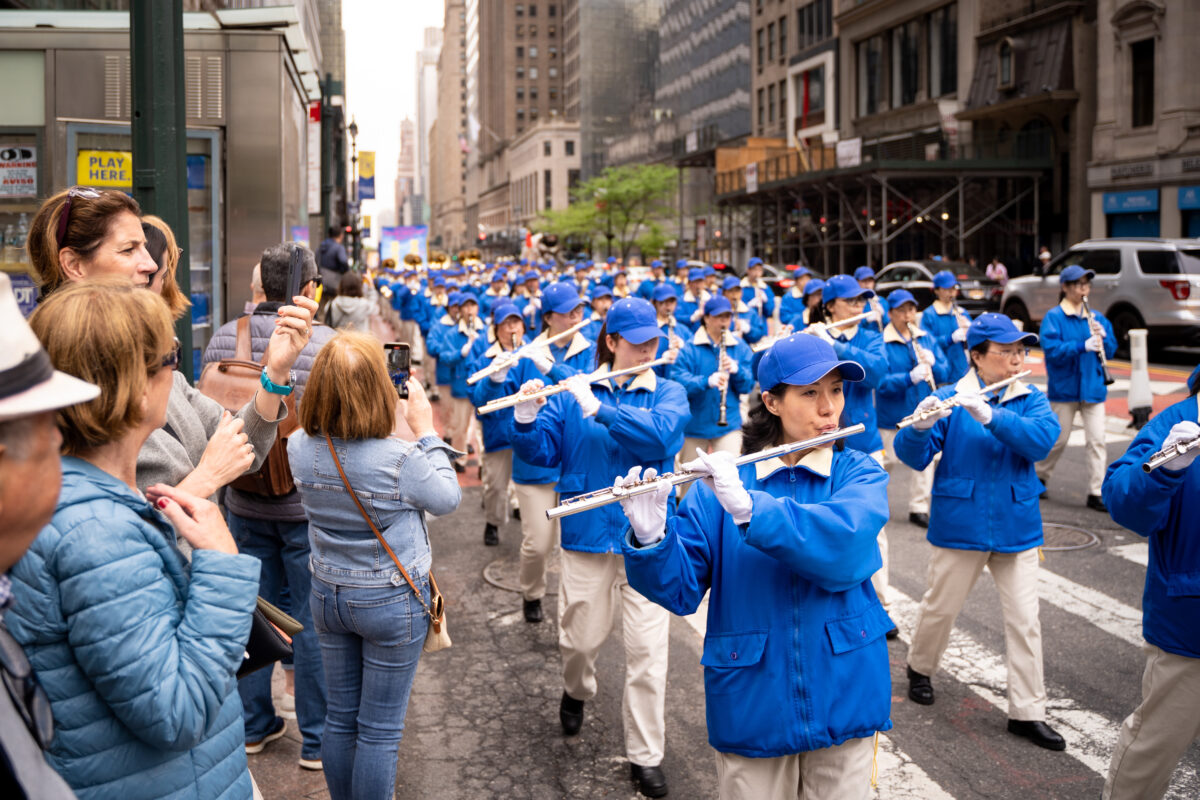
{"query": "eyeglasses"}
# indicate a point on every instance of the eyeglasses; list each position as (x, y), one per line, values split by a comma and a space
(1010, 354)
(171, 360)
(26, 693)
(65, 216)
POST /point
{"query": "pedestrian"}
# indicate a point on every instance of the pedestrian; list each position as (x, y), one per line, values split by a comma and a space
(1162, 506)
(31, 391)
(134, 645)
(984, 513)
(274, 529)
(332, 262)
(996, 271)
(350, 311)
(947, 323)
(591, 433)
(1074, 340)
(1044, 257)
(795, 661)
(370, 625)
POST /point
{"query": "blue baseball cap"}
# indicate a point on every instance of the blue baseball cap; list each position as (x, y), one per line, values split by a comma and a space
(469, 297)
(754, 262)
(813, 286)
(863, 273)
(530, 276)
(900, 297)
(611, 260)
(717, 305)
(731, 282)
(695, 274)
(664, 291)
(561, 298)
(845, 287)
(634, 319)
(681, 263)
(992, 327)
(801, 360)
(438, 280)
(524, 262)
(503, 311)
(708, 270)
(454, 299)
(601, 291)
(945, 280)
(655, 264)
(799, 269)
(1075, 273)
(1191, 381)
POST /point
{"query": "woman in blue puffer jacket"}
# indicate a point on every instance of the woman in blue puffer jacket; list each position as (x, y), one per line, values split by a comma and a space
(137, 651)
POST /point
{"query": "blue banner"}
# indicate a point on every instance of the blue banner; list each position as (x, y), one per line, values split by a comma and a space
(1189, 198)
(1131, 202)
(398, 241)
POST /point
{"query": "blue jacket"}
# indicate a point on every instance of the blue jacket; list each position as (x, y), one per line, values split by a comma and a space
(433, 343)
(1164, 506)
(137, 650)
(985, 491)
(896, 395)
(595, 323)
(757, 326)
(942, 327)
(687, 307)
(865, 346)
(450, 351)
(1074, 374)
(640, 422)
(577, 355)
(791, 307)
(497, 426)
(767, 307)
(684, 332)
(795, 656)
(697, 361)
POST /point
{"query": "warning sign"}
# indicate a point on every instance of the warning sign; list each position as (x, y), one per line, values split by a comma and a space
(18, 171)
(104, 169)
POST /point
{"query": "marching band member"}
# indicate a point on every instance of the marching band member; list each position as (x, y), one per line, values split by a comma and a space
(591, 433)
(745, 322)
(620, 284)
(657, 276)
(714, 369)
(866, 279)
(562, 309)
(1073, 344)
(600, 301)
(985, 513)
(1164, 506)
(496, 292)
(795, 661)
(673, 331)
(691, 306)
(531, 303)
(947, 323)
(915, 367)
(438, 330)
(755, 292)
(792, 304)
(455, 351)
(435, 308)
(814, 296)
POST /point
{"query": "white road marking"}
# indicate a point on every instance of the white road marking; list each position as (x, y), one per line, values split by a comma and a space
(1138, 552)
(1106, 613)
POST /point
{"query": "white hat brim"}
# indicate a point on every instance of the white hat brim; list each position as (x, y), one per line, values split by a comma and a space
(60, 391)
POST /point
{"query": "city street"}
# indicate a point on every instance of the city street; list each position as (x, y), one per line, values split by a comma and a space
(483, 719)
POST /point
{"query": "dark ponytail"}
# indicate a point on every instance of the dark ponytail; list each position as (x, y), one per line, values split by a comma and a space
(762, 429)
(603, 353)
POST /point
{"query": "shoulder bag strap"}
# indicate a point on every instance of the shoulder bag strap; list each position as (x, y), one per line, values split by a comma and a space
(242, 348)
(337, 462)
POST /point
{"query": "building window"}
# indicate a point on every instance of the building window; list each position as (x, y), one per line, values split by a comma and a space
(532, 51)
(551, 31)
(771, 42)
(771, 103)
(552, 71)
(572, 179)
(546, 148)
(520, 52)
(520, 73)
(520, 114)
(783, 37)
(905, 63)
(869, 58)
(814, 24)
(553, 92)
(520, 93)
(533, 114)
(1004, 57)
(552, 10)
(762, 47)
(547, 189)
(533, 30)
(533, 93)
(758, 6)
(943, 51)
(762, 110)
(783, 100)
(569, 147)
(552, 51)
(1141, 56)
(520, 10)
(520, 31)
(532, 10)
(533, 72)
(810, 98)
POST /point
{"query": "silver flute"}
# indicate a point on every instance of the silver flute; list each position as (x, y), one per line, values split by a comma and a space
(1167, 453)
(614, 494)
(557, 388)
(952, 402)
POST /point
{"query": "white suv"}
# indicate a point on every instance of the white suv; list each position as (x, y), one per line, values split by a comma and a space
(1139, 283)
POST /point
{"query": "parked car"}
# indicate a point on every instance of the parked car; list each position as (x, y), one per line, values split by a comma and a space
(1139, 283)
(977, 292)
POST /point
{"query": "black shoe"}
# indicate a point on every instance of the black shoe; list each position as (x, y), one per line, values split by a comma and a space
(650, 781)
(918, 518)
(920, 688)
(517, 514)
(894, 633)
(533, 610)
(490, 535)
(459, 468)
(570, 714)
(1096, 504)
(1037, 732)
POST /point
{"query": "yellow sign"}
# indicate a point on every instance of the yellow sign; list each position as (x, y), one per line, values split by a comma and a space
(367, 222)
(366, 163)
(104, 168)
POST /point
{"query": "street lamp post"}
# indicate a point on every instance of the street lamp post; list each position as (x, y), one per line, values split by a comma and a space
(354, 215)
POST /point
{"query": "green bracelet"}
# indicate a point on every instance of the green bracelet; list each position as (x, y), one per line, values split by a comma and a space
(275, 388)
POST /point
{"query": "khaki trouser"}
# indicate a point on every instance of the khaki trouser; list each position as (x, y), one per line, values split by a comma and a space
(841, 772)
(879, 581)
(1157, 734)
(592, 584)
(410, 332)
(951, 575)
(729, 443)
(920, 484)
(1092, 415)
(497, 472)
(460, 420)
(538, 535)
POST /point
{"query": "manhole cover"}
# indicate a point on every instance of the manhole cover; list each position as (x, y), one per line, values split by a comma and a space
(1067, 537)
(505, 573)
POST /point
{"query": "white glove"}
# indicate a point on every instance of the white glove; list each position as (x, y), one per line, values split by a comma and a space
(697, 315)
(671, 355)
(581, 390)
(975, 405)
(959, 335)
(527, 410)
(743, 326)
(646, 511)
(466, 348)
(925, 356)
(876, 315)
(1094, 344)
(722, 477)
(919, 373)
(541, 358)
(501, 374)
(729, 365)
(718, 380)
(757, 302)
(1181, 432)
(820, 330)
(925, 405)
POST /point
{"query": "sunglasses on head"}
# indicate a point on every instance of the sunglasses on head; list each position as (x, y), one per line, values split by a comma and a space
(171, 360)
(65, 217)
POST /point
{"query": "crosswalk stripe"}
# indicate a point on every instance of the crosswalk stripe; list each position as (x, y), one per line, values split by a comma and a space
(1106, 613)
(1138, 552)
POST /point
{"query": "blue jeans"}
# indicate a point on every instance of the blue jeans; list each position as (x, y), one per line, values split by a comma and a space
(282, 547)
(371, 640)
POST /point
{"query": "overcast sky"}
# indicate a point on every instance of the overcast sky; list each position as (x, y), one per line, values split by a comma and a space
(382, 41)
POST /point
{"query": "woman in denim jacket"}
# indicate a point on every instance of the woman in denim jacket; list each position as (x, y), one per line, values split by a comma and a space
(370, 626)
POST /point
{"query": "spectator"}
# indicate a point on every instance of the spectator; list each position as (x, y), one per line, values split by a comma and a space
(370, 629)
(30, 477)
(275, 529)
(256, 290)
(137, 648)
(333, 263)
(350, 311)
(997, 271)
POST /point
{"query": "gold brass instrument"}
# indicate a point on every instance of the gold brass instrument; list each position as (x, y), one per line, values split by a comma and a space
(1094, 328)
(917, 350)
(614, 494)
(557, 388)
(511, 357)
(1167, 453)
(721, 416)
(951, 402)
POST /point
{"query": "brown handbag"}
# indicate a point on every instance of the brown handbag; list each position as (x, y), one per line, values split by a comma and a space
(233, 382)
(437, 637)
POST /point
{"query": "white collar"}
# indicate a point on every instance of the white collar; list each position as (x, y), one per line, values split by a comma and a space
(819, 460)
(644, 380)
(1071, 310)
(701, 337)
(844, 333)
(478, 326)
(797, 292)
(942, 308)
(892, 335)
(578, 344)
(971, 383)
(446, 319)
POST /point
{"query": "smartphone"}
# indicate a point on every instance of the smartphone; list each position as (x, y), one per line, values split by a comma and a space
(295, 274)
(398, 356)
